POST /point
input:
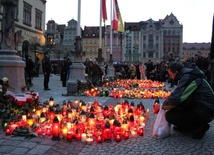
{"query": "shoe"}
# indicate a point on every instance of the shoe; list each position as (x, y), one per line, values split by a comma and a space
(47, 89)
(200, 131)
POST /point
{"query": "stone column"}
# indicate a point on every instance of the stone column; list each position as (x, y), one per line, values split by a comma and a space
(11, 65)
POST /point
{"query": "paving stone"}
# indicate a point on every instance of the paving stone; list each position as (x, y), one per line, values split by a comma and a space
(49, 142)
(6, 149)
(12, 142)
(39, 149)
(28, 145)
(20, 150)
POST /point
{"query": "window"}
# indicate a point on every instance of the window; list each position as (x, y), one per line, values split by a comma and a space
(38, 19)
(144, 46)
(27, 14)
(16, 12)
(156, 46)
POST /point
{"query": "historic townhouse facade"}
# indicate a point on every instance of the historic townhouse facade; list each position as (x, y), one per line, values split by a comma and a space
(191, 49)
(30, 21)
(90, 42)
(153, 39)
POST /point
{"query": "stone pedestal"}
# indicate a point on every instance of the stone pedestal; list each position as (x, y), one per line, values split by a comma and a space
(77, 72)
(12, 66)
(111, 70)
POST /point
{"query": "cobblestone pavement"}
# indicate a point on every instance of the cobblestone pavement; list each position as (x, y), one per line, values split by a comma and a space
(177, 143)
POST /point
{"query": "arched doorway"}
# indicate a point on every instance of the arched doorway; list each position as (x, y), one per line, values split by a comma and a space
(25, 49)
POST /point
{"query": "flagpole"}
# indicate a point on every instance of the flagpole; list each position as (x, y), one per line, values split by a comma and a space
(111, 70)
(100, 33)
(110, 60)
(99, 56)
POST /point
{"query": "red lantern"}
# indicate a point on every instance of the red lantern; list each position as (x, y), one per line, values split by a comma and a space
(7, 131)
(156, 106)
(106, 111)
(69, 136)
(126, 134)
(55, 129)
(140, 131)
(118, 138)
(107, 135)
(78, 135)
(96, 103)
(99, 138)
(39, 131)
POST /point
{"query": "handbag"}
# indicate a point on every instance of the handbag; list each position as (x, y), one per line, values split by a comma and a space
(161, 127)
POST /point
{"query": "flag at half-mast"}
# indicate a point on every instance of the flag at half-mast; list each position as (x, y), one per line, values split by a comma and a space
(104, 12)
(117, 23)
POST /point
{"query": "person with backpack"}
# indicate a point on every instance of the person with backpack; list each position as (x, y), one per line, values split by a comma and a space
(191, 105)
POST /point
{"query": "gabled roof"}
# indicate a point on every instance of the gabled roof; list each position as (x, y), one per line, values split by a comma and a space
(92, 32)
(132, 26)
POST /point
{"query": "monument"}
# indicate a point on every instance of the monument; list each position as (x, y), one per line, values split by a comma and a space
(11, 65)
(77, 69)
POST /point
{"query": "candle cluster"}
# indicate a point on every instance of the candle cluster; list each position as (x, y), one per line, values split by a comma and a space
(128, 93)
(131, 88)
(86, 122)
(129, 83)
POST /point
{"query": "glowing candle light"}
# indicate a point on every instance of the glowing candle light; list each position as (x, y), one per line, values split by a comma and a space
(55, 129)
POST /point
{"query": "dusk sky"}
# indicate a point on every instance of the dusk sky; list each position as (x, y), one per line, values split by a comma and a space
(196, 16)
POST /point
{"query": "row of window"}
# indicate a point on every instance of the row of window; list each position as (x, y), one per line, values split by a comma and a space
(27, 16)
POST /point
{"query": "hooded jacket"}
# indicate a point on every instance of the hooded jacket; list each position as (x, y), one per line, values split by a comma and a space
(193, 92)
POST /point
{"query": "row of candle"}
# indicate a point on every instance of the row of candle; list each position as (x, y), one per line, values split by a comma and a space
(86, 122)
(129, 93)
(140, 83)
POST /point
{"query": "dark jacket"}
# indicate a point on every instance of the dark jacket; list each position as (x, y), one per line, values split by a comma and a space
(46, 65)
(194, 92)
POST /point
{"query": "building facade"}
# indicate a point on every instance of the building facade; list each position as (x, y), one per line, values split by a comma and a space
(191, 49)
(153, 39)
(70, 34)
(90, 42)
(30, 21)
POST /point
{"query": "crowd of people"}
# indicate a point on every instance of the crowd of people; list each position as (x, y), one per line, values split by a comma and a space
(190, 107)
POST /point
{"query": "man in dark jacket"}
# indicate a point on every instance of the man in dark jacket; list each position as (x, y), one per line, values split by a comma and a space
(191, 105)
(29, 70)
(46, 66)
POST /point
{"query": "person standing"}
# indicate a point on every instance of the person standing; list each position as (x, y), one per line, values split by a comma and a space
(142, 71)
(149, 68)
(132, 71)
(46, 66)
(29, 70)
(191, 105)
(37, 65)
(69, 63)
(64, 72)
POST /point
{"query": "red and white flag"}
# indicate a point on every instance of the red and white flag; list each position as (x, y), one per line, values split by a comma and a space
(104, 12)
(117, 23)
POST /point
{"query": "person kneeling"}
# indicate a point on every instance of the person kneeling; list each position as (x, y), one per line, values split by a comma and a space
(191, 105)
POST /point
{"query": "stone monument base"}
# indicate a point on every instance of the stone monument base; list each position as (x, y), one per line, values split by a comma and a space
(12, 66)
(77, 72)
